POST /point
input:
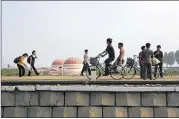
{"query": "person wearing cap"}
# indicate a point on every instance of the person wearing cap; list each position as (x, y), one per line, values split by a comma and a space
(111, 55)
(21, 64)
(85, 64)
(159, 55)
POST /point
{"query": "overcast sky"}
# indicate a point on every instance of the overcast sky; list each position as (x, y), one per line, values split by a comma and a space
(64, 29)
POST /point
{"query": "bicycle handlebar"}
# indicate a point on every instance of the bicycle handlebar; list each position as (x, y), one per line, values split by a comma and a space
(97, 57)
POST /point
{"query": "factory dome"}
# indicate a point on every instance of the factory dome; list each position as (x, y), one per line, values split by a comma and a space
(73, 60)
(58, 62)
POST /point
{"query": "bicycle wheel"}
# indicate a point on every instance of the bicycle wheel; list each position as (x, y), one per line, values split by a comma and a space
(128, 72)
(98, 73)
(116, 72)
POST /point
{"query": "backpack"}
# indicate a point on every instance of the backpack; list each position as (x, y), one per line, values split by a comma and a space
(28, 59)
(16, 60)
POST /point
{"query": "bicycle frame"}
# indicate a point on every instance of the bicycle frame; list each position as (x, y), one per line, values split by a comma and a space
(99, 65)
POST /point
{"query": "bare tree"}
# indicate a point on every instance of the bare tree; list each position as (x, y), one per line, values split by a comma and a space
(171, 58)
(177, 56)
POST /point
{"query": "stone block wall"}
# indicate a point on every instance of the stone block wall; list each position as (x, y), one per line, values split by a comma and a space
(45, 102)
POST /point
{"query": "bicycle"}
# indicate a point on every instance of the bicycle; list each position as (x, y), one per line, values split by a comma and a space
(114, 70)
(132, 69)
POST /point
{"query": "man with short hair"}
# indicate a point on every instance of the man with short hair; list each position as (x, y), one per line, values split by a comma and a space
(111, 55)
(120, 60)
(141, 62)
(147, 56)
(31, 61)
(85, 63)
(159, 55)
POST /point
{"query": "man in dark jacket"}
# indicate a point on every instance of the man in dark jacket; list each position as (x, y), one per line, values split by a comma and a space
(31, 61)
(147, 57)
(159, 55)
(111, 55)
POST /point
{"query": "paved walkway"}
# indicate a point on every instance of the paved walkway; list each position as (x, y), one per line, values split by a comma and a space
(65, 78)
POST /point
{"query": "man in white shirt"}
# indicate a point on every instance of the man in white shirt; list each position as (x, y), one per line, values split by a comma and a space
(120, 60)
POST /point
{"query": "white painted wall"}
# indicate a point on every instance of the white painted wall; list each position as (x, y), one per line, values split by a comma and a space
(72, 69)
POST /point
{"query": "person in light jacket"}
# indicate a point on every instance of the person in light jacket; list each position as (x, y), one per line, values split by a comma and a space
(85, 64)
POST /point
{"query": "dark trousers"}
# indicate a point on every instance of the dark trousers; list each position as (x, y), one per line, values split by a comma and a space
(161, 69)
(148, 71)
(85, 67)
(33, 67)
(107, 62)
(142, 73)
(21, 70)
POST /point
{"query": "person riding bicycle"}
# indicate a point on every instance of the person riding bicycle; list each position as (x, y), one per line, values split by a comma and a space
(120, 60)
(110, 51)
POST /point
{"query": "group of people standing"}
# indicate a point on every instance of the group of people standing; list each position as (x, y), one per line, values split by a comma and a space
(146, 61)
(20, 61)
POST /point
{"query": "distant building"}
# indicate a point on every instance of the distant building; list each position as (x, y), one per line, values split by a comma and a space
(57, 67)
(72, 66)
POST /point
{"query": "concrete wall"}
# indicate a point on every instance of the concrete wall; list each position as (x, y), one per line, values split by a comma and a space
(89, 101)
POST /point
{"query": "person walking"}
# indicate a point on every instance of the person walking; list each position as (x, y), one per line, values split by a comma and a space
(159, 55)
(31, 61)
(85, 64)
(147, 56)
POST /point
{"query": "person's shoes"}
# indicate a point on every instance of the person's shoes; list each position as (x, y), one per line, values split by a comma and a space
(81, 75)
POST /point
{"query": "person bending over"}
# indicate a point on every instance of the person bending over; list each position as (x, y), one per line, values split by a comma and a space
(21, 64)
